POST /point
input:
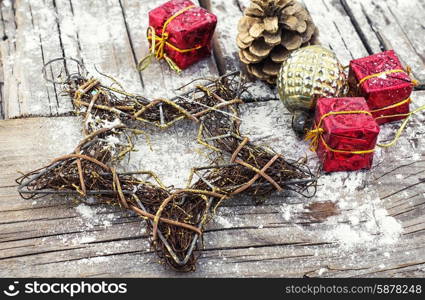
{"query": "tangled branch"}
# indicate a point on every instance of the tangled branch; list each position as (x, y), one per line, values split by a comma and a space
(175, 218)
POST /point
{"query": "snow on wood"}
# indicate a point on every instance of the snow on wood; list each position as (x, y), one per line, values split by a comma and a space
(336, 30)
(1, 87)
(24, 53)
(44, 138)
(399, 25)
(109, 36)
(378, 226)
(104, 42)
(372, 233)
(158, 79)
(229, 13)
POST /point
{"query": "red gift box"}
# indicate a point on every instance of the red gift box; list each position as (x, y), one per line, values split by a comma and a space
(345, 134)
(382, 81)
(187, 33)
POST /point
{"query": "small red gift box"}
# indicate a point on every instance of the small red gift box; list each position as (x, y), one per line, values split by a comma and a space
(382, 81)
(345, 134)
(183, 31)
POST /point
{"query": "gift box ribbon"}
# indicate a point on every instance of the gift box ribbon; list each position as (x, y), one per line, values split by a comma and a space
(403, 125)
(316, 134)
(408, 71)
(405, 101)
(158, 44)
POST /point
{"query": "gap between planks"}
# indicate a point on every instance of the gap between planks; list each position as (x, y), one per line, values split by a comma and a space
(349, 20)
(258, 234)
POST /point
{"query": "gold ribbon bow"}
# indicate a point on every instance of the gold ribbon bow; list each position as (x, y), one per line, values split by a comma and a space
(158, 44)
(315, 135)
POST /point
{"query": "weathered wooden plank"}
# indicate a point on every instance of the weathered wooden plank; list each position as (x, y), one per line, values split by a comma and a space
(238, 244)
(266, 262)
(397, 24)
(107, 35)
(40, 139)
(46, 27)
(1, 94)
(400, 177)
(367, 236)
(363, 25)
(159, 80)
(351, 28)
(28, 48)
(410, 18)
(102, 40)
(239, 239)
(1, 101)
(8, 49)
(69, 33)
(3, 37)
(58, 237)
(336, 30)
(1, 84)
(229, 13)
(124, 21)
(338, 33)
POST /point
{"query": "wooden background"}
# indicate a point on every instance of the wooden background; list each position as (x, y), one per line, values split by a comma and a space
(378, 228)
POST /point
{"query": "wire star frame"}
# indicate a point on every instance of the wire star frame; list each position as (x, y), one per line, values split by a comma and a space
(176, 217)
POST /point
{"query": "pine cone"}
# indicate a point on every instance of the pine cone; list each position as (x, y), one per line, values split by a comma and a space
(269, 31)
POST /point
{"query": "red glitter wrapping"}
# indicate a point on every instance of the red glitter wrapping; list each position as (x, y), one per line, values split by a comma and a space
(348, 132)
(191, 29)
(382, 91)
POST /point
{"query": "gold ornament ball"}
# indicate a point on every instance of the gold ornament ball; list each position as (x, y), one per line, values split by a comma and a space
(308, 74)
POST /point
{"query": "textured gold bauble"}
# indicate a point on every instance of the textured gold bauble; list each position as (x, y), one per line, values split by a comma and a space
(308, 74)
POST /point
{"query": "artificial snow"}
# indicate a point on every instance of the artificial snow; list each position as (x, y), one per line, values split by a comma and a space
(87, 212)
(170, 154)
(223, 221)
(64, 134)
(363, 223)
(92, 216)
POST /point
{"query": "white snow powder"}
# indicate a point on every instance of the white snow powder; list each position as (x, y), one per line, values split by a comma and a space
(91, 216)
(95, 260)
(223, 222)
(321, 271)
(86, 239)
(377, 228)
(87, 212)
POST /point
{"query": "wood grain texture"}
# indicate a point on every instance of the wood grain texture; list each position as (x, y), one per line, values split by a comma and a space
(352, 29)
(62, 237)
(400, 180)
(32, 40)
(226, 50)
(392, 24)
(107, 36)
(102, 39)
(336, 32)
(57, 28)
(8, 49)
(1, 84)
(159, 80)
